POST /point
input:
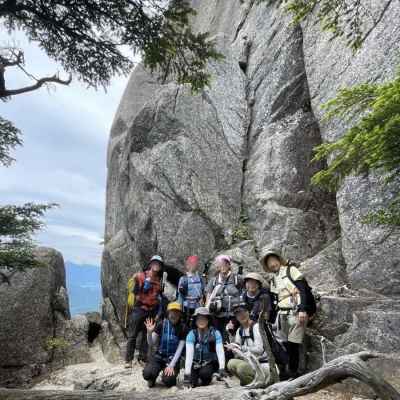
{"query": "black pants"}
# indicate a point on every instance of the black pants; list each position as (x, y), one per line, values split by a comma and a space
(153, 368)
(135, 326)
(293, 350)
(203, 376)
(188, 317)
(220, 324)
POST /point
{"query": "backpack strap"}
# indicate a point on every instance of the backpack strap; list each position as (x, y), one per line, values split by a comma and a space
(243, 337)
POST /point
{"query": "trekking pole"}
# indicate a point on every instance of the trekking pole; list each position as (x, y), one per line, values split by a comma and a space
(205, 271)
(274, 376)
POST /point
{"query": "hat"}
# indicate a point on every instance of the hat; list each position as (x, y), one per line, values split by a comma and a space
(202, 311)
(192, 259)
(239, 307)
(269, 253)
(157, 258)
(174, 306)
(223, 258)
(256, 277)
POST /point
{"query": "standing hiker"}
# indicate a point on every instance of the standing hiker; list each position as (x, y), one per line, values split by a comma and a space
(256, 297)
(293, 305)
(147, 291)
(191, 288)
(204, 351)
(166, 339)
(223, 292)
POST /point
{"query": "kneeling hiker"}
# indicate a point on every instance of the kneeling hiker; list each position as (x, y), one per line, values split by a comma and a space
(247, 339)
(167, 339)
(147, 291)
(204, 351)
(294, 305)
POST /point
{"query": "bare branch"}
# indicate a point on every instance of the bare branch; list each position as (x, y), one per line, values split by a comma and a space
(39, 83)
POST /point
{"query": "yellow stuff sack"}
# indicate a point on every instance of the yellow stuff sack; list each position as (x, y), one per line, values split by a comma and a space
(131, 296)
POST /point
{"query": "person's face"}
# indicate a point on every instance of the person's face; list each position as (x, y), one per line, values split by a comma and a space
(242, 316)
(252, 286)
(273, 263)
(174, 316)
(202, 322)
(192, 266)
(155, 267)
(224, 267)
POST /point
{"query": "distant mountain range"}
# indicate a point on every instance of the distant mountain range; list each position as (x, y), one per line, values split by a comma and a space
(84, 288)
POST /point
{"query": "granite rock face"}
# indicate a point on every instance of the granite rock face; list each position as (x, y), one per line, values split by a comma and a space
(186, 173)
(31, 308)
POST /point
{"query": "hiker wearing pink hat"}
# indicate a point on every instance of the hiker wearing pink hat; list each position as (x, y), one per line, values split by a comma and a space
(223, 292)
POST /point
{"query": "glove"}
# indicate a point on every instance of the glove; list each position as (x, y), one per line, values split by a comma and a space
(187, 381)
(222, 373)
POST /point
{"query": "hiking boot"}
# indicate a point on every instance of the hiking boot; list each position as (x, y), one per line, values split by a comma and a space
(151, 384)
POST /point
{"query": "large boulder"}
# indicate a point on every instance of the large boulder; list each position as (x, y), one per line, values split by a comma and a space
(31, 306)
(372, 254)
(229, 169)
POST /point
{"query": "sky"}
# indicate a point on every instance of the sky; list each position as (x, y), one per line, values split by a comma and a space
(63, 158)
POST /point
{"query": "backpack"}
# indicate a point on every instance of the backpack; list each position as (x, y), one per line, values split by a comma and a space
(279, 352)
(235, 277)
(184, 288)
(311, 303)
(211, 340)
(131, 296)
(243, 337)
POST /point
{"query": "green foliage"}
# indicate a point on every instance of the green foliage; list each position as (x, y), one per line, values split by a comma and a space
(372, 144)
(87, 37)
(17, 225)
(9, 140)
(350, 20)
(241, 231)
(56, 343)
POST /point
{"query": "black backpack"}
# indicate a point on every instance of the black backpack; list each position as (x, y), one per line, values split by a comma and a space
(311, 304)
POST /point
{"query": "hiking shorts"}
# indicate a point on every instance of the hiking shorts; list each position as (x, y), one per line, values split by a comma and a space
(288, 328)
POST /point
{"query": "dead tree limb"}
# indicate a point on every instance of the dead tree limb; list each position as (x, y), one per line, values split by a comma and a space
(335, 371)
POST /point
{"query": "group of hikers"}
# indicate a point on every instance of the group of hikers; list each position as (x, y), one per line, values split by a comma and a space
(210, 323)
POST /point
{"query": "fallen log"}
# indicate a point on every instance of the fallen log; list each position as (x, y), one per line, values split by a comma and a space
(335, 371)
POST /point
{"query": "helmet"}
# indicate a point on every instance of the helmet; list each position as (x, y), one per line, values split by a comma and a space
(202, 311)
(255, 276)
(268, 253)
(174, 306)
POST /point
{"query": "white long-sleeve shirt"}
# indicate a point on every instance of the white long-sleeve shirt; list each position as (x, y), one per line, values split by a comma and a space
(255, 346)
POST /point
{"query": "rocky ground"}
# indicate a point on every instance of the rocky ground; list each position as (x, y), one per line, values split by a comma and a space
(101, 375)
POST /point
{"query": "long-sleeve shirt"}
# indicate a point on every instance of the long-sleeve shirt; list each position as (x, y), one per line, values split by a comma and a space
(246, 343)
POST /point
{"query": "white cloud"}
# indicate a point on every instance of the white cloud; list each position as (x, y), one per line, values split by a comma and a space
(63, 159)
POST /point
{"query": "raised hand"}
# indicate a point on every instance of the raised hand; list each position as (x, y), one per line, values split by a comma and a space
(150, 325)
